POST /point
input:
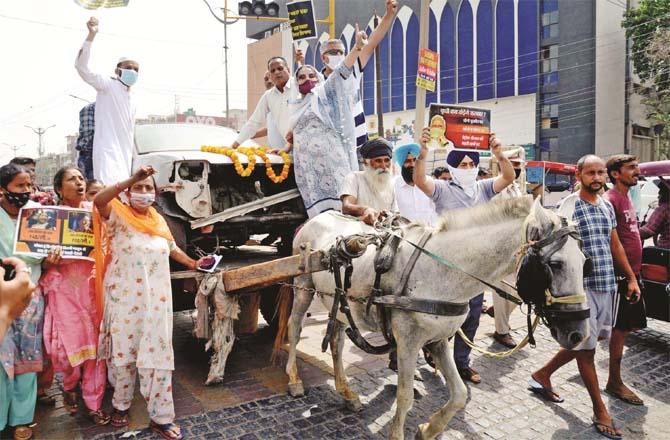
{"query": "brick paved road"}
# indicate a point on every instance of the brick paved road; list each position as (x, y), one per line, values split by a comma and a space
(252, 403)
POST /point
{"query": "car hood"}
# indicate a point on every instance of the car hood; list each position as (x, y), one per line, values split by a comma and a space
(163, 161)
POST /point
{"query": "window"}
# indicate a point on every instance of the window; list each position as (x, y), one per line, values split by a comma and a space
(549, 64)
(549, 144)
(549, 110)
(550, 20)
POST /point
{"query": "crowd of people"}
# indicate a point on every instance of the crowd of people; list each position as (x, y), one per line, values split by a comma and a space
(122, 298)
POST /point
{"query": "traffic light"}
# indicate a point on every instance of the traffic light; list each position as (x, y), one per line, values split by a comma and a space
(258, 8)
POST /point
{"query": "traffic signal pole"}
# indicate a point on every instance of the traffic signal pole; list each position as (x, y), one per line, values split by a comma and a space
(330, 20)
(420, 115)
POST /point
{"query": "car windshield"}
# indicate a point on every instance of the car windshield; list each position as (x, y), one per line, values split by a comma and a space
(152, 138)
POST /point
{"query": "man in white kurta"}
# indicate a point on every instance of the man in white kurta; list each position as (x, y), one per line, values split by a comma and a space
(114, 114)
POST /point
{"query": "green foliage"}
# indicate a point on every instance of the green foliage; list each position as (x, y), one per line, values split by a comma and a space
(648, 26)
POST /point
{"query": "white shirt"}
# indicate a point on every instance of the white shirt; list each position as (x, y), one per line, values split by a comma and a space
(276, 103)
(356, 184)
(275, 139)
(114, 122)
(413, 203)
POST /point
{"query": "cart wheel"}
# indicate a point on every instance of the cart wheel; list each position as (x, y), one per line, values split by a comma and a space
(268, 307)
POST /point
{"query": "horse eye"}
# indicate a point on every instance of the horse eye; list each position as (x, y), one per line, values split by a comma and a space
(556, 264)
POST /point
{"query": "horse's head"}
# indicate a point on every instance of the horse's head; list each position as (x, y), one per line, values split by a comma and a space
(550, 275)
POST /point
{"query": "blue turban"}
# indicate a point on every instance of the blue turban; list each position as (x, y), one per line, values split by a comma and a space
(455, 157)
(400, 153)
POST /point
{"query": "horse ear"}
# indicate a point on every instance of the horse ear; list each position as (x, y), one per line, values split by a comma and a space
(541, 224)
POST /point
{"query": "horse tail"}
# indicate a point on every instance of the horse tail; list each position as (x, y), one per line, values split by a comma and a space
(283, 312)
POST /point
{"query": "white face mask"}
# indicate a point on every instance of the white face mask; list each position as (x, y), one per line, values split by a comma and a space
(467, 179)
(334, 61)
(142, 200)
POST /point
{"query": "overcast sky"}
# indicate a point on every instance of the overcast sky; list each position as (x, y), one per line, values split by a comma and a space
(177, 43)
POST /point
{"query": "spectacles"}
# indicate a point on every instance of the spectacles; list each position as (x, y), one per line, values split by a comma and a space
(310, 76)
(334, 52)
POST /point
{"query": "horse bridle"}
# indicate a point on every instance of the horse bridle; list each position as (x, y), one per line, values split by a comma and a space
(555, 241)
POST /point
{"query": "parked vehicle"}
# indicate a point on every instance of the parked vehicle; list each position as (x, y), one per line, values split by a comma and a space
(656, 260)
(551, 181)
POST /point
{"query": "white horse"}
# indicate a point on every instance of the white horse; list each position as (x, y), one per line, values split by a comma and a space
(483, 241)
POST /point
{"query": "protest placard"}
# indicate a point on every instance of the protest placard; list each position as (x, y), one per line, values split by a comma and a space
(301, 19)
(426, 76)
(461, 128)
(39, 230)
(95, 4)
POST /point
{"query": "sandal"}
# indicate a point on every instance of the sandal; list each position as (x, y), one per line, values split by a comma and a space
(546, 393)
(470, 375)
(120, 418)
(23, 432)
(71, 402)
(601, 428)
(630, 397)
(169, 431)
(99, 417)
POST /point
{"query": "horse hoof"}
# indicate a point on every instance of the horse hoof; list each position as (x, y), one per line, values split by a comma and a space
(353, 405)
(296, 389)
(420, 432)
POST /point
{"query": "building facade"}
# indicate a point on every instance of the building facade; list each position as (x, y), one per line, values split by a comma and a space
(553, 72)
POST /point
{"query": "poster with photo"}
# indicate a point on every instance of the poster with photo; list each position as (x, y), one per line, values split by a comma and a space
(460, 128)
(41, 229)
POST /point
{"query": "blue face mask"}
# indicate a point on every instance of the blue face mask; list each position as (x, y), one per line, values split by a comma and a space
(128, 77)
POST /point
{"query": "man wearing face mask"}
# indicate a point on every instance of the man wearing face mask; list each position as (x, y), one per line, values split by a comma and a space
(412, 202)
(114, 113)
(367, 194)
(333, 53)
(463, 191)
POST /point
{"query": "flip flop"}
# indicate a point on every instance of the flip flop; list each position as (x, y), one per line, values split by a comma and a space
(631, 398)
(600, 429)
(546, 393)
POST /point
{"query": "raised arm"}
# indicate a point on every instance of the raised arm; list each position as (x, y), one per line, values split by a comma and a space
(507, 175)
(419, 177)
(110, 192)
(361, 43)
(380, 31)
(99, 82)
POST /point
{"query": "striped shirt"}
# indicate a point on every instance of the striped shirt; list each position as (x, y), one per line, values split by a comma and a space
(360, 130)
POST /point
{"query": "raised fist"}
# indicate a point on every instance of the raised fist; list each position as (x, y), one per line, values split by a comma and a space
(92, 25)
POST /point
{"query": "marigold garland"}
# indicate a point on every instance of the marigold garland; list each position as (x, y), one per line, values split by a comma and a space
(268, 166)
(230, 152)
(251, 155)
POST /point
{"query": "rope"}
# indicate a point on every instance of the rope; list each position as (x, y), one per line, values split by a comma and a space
(498, 354)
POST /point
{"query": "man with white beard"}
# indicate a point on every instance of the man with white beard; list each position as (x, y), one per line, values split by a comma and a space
(366, 194)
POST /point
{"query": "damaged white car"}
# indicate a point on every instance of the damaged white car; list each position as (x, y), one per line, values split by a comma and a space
(207, 204)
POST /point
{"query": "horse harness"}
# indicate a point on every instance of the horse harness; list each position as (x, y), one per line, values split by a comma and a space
(387, 240)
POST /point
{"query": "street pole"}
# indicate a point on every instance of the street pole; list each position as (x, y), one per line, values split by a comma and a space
(39, 131)
(225, 64)
(420, 115)
(14, 148)
(378, 70)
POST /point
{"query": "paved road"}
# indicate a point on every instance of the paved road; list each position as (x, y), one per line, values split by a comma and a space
(252, 403)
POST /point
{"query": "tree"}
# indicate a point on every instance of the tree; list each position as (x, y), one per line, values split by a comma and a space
(648, 28)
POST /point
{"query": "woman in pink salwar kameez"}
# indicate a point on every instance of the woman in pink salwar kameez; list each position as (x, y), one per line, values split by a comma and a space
(71, 324)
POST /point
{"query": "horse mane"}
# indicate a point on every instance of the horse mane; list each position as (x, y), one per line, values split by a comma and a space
(496, 211)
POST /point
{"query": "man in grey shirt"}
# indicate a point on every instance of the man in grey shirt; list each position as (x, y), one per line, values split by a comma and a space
(463, 191)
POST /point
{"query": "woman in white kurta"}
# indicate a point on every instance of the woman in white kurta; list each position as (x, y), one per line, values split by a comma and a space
(136, 333)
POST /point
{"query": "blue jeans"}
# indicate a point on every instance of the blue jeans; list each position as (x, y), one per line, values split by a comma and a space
(469, 327)
(85, 163)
